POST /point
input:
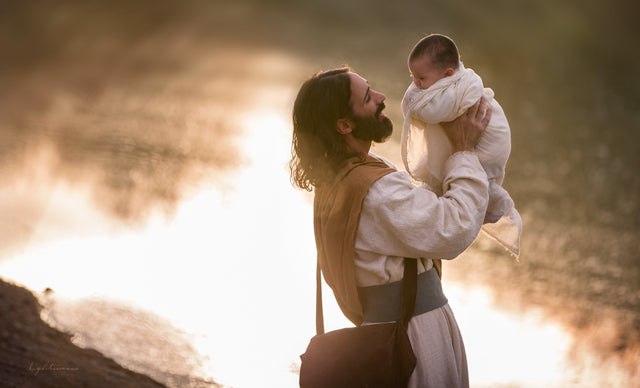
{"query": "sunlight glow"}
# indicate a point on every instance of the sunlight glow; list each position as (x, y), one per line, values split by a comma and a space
(504, 349)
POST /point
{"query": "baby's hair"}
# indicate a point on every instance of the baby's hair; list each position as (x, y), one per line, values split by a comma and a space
(441, 49)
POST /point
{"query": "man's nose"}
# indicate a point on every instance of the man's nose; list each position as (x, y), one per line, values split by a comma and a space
(380, 97)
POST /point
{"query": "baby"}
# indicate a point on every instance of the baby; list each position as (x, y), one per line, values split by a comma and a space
(442, 90)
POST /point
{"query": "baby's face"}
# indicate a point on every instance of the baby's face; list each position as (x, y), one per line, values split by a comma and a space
(424, 73)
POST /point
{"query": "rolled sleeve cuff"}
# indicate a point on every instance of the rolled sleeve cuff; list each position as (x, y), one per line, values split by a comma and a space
(464, 163)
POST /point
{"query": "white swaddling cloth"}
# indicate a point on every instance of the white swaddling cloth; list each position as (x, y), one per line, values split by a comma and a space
(425, 147)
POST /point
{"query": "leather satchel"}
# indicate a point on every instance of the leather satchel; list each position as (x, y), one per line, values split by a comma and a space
(377, 355)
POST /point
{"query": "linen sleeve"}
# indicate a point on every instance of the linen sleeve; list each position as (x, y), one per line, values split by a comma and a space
(401, 219)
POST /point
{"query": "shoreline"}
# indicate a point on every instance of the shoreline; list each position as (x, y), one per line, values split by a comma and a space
(33, 354)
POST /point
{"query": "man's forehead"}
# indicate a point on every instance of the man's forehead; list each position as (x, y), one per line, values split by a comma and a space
(357, 80)
(359, 85)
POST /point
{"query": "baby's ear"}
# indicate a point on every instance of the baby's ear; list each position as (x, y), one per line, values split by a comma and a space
(449, 72)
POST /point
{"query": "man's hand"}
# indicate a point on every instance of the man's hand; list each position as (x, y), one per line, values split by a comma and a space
(465, 131)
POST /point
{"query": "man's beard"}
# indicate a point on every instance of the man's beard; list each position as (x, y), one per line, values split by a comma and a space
(372, 128)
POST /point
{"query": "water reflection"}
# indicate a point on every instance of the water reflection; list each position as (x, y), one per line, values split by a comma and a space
(143, 341)
(503, 348)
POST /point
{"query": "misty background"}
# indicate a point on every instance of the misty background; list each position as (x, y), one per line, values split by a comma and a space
(137, 105)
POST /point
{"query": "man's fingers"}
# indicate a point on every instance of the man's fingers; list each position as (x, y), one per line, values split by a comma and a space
(487, 118)
(482, 106)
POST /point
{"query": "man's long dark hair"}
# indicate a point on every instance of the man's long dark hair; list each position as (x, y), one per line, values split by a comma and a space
(317, 148)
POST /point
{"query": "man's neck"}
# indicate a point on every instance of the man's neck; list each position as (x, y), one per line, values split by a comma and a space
(357, 145)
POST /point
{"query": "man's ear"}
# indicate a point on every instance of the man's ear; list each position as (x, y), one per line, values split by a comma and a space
(449, 72)
(344, 126)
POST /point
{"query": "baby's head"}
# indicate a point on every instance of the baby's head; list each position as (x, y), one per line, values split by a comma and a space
(432, 58)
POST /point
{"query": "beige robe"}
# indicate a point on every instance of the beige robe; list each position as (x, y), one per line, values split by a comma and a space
(399, 219)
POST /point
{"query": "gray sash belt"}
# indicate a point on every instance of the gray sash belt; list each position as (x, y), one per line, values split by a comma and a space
(383, 303)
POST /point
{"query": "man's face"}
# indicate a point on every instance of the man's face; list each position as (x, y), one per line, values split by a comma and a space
(369, 122)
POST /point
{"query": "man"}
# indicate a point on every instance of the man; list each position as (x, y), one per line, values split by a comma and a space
(368, 217)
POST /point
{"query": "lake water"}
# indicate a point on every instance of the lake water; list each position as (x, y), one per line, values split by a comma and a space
(145, 183)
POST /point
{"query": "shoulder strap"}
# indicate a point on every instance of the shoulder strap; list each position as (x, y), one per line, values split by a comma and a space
(409, 291)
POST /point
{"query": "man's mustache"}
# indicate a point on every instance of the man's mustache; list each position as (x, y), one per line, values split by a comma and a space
(380, 108)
